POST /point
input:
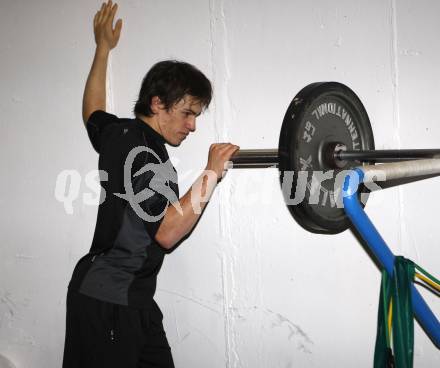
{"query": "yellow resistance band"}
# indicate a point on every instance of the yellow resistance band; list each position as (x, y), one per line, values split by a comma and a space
(428, 281)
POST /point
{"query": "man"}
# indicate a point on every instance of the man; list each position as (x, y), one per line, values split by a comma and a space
(112, 319)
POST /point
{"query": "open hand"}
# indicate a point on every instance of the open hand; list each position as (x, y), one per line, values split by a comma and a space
(105, 36)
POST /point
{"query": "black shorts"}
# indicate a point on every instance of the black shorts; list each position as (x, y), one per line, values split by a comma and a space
(101, 334)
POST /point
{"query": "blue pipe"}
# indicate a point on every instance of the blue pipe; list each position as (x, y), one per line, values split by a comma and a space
(377, 245)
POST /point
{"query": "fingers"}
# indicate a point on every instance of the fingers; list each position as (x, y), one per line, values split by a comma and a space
(224, 149)
(230, 150)
(95, 19)
(100, 13)
(112, 13)
(221, 145)
(117, 31)
(106, 13)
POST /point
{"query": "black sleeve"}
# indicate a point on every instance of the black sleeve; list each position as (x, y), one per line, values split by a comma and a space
(97, 123)
(155, 188)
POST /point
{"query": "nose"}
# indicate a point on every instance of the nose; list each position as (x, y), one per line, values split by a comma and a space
(191, 124)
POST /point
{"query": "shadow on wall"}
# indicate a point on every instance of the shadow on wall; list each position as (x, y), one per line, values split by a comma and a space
(5, 363)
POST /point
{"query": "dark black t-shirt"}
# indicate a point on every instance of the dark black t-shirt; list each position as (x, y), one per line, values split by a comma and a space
(138, 183)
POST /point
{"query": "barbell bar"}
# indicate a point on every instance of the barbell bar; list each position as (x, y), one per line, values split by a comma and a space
(264, 158)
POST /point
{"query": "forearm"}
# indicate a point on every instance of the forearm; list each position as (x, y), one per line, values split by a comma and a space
(94, 92)
(179, 222)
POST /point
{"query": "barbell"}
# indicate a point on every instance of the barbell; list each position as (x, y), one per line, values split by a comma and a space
(325, 131)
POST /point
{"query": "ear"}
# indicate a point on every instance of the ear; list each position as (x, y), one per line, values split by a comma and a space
(156, 105)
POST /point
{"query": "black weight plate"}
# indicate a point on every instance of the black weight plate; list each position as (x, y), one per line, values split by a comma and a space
(320, 114)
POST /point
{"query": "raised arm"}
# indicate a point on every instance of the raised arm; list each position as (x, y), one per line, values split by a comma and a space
(106, 38)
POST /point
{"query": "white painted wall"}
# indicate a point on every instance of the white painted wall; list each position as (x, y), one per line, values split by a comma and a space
(250, 288)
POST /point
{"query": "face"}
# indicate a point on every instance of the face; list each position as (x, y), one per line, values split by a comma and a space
(180, 120)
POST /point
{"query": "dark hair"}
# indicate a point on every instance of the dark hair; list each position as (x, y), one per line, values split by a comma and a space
(171, 80)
